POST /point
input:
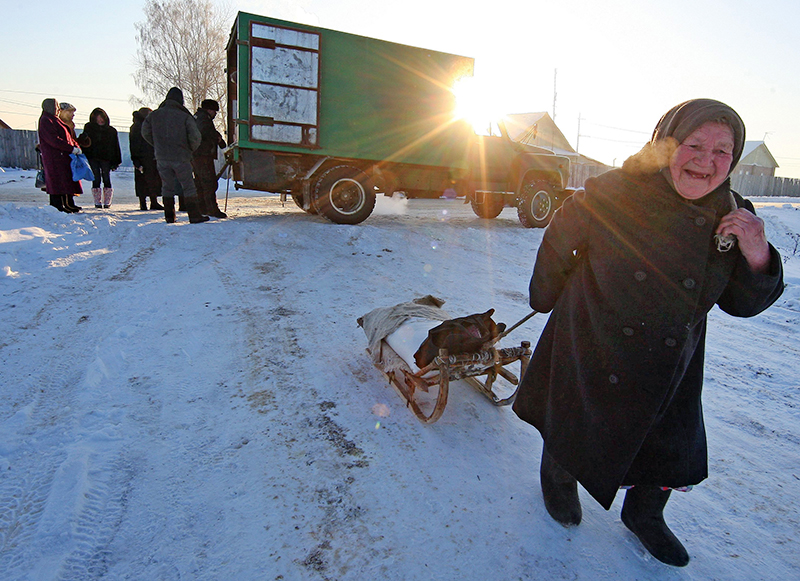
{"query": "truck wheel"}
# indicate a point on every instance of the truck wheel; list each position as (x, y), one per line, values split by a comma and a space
(537, 202)
(489, 206)
(344, 195)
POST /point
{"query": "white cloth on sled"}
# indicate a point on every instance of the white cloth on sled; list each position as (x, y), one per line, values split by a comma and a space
(382, 322)
(408, 337)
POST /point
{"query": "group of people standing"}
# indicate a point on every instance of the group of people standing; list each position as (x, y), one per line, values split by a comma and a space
(58, 141)
(172, 151)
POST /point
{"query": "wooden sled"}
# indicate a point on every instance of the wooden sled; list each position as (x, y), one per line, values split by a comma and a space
(426, 391)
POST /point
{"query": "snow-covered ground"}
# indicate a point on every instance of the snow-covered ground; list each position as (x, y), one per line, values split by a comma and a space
(194, 402)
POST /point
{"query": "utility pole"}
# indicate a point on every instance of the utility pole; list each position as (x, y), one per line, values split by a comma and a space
(555, 78)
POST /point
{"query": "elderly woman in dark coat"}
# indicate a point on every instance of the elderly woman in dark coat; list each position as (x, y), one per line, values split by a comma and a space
(56, 143)
(630, 268)
(146, 179)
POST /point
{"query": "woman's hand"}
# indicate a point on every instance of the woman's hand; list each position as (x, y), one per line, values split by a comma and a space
(749, 230)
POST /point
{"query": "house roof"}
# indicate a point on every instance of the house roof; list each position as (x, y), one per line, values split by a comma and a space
(757, 153)
(4, 125)
(537, 129)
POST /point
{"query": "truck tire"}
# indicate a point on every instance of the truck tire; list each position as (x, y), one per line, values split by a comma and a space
(489, 206)
(344, 195)
(536, 203)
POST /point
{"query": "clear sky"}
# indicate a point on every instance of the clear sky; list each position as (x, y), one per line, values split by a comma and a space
(618, 65)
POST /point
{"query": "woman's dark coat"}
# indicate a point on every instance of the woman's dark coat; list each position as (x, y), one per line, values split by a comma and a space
(56, 144)
(147, 182)
(630, 270)
(104, 140)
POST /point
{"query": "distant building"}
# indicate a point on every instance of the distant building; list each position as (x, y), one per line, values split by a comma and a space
(540, 130)
(756, 160)
(4, 125)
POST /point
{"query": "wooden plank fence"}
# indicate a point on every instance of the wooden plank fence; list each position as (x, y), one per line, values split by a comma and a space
(750, 185)
(17, 148)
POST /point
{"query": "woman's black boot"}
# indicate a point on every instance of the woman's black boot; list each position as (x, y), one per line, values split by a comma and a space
(154, 205)
(143, 203)
(643, 514)
(560, 492)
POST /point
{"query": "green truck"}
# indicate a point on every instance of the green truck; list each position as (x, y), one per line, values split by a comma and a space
(332, 119)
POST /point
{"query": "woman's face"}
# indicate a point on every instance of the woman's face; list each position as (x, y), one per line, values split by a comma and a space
(702, 161)
(99, 119)
(66, 114)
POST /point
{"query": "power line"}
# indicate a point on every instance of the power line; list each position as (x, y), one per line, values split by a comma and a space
(62, 95)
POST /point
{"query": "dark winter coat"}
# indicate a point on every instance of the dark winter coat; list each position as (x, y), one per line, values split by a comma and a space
(56, 144)
(104, 141)
(630, 270)
(210, 137)
(172, 131)
(147, 182)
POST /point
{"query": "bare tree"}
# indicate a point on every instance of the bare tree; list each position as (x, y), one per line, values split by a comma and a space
(182, 44)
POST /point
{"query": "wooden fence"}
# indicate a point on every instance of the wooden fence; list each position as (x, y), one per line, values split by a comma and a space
(17, 149)
(750, 185)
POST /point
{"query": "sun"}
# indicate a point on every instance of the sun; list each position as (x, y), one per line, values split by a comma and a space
(477, 104)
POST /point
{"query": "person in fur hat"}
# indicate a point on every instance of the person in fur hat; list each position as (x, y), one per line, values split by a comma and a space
(630, 267)
(56, 143)
(104, 155)
(205, 173)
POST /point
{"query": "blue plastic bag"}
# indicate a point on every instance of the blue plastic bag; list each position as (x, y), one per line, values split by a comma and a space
(81, 170)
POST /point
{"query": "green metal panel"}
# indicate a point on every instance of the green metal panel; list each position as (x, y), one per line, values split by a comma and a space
(377, 100)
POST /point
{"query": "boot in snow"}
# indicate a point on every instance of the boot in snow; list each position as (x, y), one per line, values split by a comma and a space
(643, 514)
(98, 197)
(143, 204)
(193, 209)
(154, 205)
(69, 204)
(108, 195)
(169, 210)
(560, 492)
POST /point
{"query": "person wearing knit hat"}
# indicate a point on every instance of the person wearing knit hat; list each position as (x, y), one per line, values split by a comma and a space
(173, 133)
(205, 173)
(66, 114)
(630, 266)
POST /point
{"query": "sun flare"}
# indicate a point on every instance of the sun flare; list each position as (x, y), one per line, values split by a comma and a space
(476, 103)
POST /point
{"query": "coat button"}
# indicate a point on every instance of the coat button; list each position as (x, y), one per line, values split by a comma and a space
(670, 342)
(627, 331)
(700, 221)
(689, 283)
(640, 275)
(613, 379)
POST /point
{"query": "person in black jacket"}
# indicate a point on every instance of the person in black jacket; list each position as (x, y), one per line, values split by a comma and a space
(205, 174)
(146, 180)
(173, 133)
(630, 268)
(104, 155)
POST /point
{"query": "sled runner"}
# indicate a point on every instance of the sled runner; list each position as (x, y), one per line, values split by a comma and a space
(421, 372)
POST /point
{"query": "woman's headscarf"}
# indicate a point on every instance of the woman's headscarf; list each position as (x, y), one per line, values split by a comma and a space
(50, 106)
(676, 125)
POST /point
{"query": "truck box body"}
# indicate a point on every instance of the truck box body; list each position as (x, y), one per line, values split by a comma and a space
(306, 89)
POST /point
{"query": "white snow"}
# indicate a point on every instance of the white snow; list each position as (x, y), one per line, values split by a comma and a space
(194, 402)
